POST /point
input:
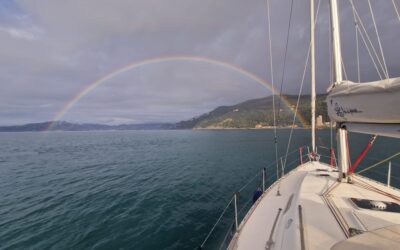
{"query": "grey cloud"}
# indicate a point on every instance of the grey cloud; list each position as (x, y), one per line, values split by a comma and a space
(51, 50)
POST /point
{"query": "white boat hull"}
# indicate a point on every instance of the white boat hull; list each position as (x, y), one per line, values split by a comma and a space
(314, 211)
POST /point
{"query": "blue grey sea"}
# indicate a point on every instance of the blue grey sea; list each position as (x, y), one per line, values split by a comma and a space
(142, 189)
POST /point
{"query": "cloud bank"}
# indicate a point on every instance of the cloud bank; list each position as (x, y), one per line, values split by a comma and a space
(51, 50)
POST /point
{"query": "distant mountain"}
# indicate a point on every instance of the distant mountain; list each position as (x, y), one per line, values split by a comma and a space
(67, 126)
(257, 113)
(146, 126)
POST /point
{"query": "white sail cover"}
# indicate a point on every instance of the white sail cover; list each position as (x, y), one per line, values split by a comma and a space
(371, 102)
(390, 130)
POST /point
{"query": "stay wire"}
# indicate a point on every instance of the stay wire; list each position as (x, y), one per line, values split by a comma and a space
(284, 58)
(330, 71)
(396, 10)
(300, 90)
(370, 54)
(379, 39)
(357, 46)
(368, 39)
(272, 83)
(379, 163)
(216, 223)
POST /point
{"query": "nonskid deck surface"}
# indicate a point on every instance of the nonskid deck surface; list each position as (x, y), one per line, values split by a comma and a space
(313, 211)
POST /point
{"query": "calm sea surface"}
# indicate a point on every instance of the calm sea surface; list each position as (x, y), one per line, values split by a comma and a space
(140, 189)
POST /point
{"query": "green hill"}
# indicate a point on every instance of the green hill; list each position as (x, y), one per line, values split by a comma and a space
(257, 113)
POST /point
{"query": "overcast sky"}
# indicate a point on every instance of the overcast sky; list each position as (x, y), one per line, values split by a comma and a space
(51, 49)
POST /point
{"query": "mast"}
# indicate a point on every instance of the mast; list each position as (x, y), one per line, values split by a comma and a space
(337, 56)
(312, 51)
(337, 60)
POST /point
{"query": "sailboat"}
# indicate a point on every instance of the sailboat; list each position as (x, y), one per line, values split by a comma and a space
(320, 206)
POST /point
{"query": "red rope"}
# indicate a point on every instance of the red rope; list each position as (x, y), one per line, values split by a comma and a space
(362, 154)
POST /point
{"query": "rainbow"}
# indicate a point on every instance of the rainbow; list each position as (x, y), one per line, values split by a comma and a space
(92, 85)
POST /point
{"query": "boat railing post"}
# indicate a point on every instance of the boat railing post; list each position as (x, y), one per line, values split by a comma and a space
(301, 155)
(236, 214)
(283, 168)
(263, 179)
(389, 173)
(332, 158)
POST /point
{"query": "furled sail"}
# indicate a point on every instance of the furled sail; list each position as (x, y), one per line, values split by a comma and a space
(372, 104)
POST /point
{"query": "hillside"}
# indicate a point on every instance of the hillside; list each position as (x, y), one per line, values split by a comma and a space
(67, 126)
(256, 113)
(249, 114)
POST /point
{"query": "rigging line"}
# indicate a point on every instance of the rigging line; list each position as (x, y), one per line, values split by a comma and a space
(330, 51)
(280, 92)
(358, 57)
(250, 181)
(367, 36)
(226, 235)
(300, 90)
(297, 106)
(375, 159)
(365, 42)
(396, 10)
(220, 217)
(272, 83)
(379, 39)
(376, 164)
(357, 46)
(294, 162)
(285, 56)
(344, 70)
(231, 224)
(330, 72)
(268, 179)
(383, 174)
(241, 189)
(258, 173)
(370, 54)
(245, 205)
(290, 153)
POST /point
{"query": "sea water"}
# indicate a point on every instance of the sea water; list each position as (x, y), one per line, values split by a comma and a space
(143, 189)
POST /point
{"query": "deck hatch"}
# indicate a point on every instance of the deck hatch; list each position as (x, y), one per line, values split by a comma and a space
(385, 206)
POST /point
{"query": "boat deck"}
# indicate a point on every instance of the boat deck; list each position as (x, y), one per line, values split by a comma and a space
(313, 211)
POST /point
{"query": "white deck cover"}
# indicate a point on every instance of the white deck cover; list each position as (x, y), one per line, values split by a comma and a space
(371, 102)
(320, 197)
(390, 130)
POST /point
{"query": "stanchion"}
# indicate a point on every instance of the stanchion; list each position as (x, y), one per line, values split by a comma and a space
(301, 155)
(263, 179)
(236, 214)
(389, 173)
